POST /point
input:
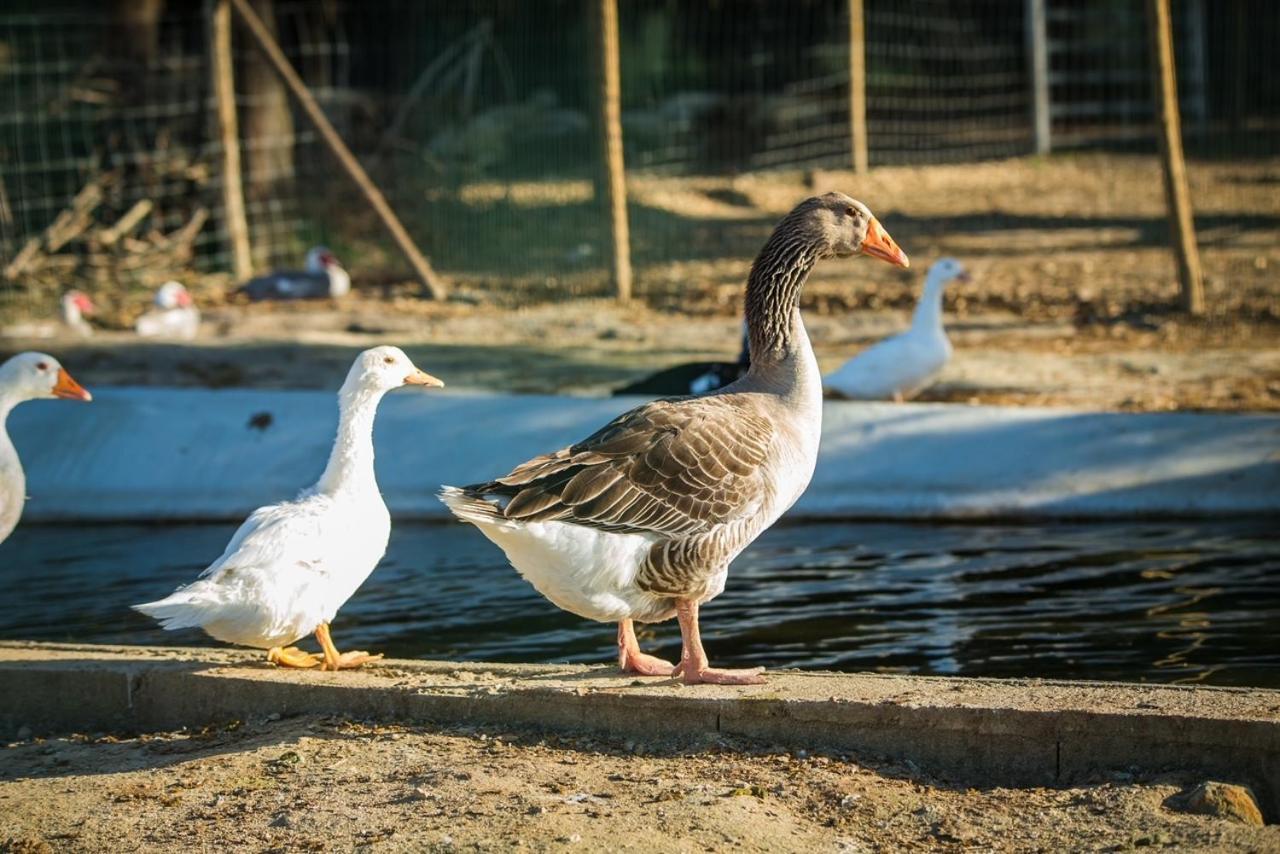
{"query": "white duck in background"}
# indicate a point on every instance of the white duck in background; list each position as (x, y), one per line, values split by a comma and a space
(291, 566)
(72, 308)
(323, 278)
(27, 376)
(175, 314)
(902, 365)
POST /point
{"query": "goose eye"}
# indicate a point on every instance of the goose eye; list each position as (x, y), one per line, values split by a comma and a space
(42, 366)
(390, 360)
(850, 212)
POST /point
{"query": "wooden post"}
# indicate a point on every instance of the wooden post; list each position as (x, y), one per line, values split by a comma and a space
(267, 44)
(1169, 132)
(858, 85)
(224, 93)
(1037, 36)
(609, 106)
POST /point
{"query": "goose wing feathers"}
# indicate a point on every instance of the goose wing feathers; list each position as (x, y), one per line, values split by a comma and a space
(673, 467)
(281, 535)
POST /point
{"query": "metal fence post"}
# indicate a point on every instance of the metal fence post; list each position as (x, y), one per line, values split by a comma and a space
(1038, 65)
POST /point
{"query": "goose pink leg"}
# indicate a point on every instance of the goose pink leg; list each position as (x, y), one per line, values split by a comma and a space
(632, 660)
(694, 667)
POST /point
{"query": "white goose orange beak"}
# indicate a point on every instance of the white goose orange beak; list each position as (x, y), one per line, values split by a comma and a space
(423, 378)
(880, 245)
(68, 389)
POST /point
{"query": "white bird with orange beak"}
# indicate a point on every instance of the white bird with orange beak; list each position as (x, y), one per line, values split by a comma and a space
(27, 376)
(291, 566)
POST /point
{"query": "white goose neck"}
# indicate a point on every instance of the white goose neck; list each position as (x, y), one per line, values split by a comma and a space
(350, 467)
(928, 313)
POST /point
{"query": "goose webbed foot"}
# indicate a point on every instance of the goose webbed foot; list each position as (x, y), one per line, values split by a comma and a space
(334, 660)
(632, 660)
(719, 675)
(291, 657)
(694, 668)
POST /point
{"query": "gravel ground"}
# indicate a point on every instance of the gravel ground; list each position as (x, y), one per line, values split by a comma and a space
(320, 784)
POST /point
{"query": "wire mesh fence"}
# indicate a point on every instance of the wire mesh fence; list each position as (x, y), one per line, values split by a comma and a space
(478, 120)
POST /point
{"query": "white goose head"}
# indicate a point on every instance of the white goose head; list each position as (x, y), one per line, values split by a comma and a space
(74, 305)
(947, 270)
(173, 295)
(381, 369)
(32, 376)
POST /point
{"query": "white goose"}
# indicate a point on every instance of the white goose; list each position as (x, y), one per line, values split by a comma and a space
(291, 566)
(903, 364)
(27, 376)
(640, 520)
(175, 314)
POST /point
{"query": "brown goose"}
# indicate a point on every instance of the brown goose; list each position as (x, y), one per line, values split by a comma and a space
(640, 520)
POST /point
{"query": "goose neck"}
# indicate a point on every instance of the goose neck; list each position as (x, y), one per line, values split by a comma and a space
(928, 313)
(350, 466)
(773, 295)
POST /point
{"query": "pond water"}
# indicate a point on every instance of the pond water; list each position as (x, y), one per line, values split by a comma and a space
(1159, 602)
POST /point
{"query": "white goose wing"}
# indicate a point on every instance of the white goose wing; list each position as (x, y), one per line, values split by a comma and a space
(280, 536)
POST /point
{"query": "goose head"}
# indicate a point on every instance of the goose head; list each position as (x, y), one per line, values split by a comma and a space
(947, 270)
(321, 260)
(381, 369)
(844, 227)
(75, 304)
(33, 376)
(173, 295)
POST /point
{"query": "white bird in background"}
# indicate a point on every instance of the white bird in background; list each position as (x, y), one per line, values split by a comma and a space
(27, 376)
(175, 314)
(291, 566)
(902, 365)
(73, 306)
(323, 278)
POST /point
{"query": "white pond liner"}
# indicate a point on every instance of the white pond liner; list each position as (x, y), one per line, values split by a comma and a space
(139, 454)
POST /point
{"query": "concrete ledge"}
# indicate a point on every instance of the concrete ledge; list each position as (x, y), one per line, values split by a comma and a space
(977, 731)
(147, 454)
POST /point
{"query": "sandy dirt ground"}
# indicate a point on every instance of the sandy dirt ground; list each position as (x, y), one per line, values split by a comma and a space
(1073, 301)
(322, 784)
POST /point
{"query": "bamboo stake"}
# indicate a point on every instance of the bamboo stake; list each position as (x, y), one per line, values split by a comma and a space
(267, 44)
(609, 75)
(1177, 194)
(858, 86)
(224, 93)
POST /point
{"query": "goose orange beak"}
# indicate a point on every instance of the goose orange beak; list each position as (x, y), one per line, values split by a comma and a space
(68, 389)
(880, 245)
(423, 378)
